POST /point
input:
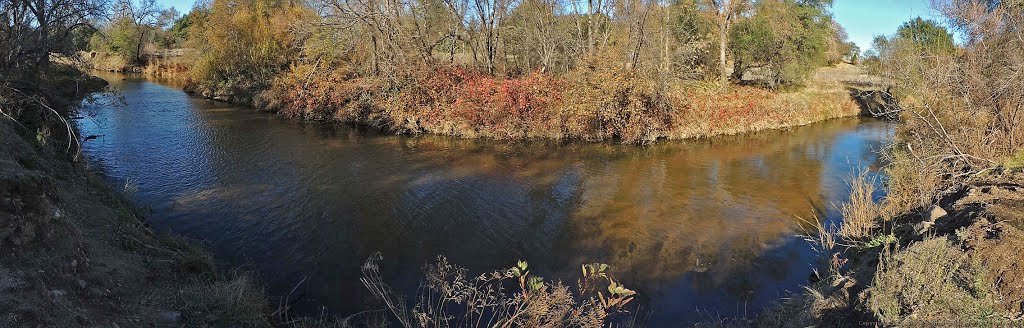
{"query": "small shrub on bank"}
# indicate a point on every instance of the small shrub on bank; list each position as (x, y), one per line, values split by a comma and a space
(466, 102)
(305, 92)
(931, 282)
(450, 297)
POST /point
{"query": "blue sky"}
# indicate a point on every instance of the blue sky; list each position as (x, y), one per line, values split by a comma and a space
(863, 19)
(183, 6)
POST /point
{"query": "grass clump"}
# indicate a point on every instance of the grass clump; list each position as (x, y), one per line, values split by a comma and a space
(1016, 163)
(235, 302)
(860, 213)
(931, 281)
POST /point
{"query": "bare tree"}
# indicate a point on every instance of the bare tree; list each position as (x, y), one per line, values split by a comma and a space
(32, 29)
(726, 11)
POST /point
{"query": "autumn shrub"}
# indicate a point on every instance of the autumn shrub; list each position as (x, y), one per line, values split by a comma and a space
(242, 45)
(304, 92)
(466, 102)
(705, 112)
(594, 104)
(603, 103)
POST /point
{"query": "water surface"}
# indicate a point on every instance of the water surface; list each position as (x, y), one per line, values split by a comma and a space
(700, 229)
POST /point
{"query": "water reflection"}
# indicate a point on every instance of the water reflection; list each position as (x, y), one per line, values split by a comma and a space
(704, 225)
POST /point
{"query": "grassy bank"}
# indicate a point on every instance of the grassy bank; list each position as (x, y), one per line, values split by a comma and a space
(597, 105)
(75, 251)
(591, 105)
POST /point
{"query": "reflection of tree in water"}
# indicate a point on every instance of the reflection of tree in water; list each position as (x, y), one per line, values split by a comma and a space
(660, 211)
(654, 213)
(713, 210)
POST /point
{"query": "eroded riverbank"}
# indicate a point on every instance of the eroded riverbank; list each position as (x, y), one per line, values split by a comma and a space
(75, 253)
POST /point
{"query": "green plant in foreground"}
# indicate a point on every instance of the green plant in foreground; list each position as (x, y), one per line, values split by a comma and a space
(1016, 162)
(880, 241)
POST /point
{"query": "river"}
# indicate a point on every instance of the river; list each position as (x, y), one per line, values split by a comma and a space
(700, 229)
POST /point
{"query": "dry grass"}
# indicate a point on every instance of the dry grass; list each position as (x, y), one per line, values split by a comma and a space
(235, 302)
(450, 297)
(932, 282)
(860, 212)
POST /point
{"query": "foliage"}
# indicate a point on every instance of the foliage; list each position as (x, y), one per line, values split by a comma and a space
(34, 29)
(121, 38)
(926, 34)
(783, 42)
(242, 44)
(134, 25)
(962, 108)
(178, 32)
(599, 104)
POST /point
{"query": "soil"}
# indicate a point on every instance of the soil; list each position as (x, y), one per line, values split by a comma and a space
(996, 239)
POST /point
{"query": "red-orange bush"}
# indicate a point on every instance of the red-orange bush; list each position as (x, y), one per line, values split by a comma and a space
(465, 102)
(305, 93)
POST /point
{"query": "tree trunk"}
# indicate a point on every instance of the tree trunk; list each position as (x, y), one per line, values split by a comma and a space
(722, 27)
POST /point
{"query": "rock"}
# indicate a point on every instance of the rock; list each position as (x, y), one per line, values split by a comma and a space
(95, 293)
(82, 284)
(57, 293)
(82, 319)
(936, 213)
(170, 316)
(922, 227)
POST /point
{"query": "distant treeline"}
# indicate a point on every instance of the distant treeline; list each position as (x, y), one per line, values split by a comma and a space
(598, 69)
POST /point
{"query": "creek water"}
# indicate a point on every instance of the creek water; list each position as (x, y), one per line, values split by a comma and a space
(700, 229)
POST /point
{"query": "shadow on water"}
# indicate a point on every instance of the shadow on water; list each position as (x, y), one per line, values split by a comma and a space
(699, 228)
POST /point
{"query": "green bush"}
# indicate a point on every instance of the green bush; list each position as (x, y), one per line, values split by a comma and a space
(782, 43)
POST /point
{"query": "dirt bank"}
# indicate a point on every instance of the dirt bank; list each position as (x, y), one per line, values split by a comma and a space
(956, 264)
(75, 253)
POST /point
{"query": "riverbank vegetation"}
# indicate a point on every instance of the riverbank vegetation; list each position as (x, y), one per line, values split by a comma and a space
(935, 250)
(623, 70)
